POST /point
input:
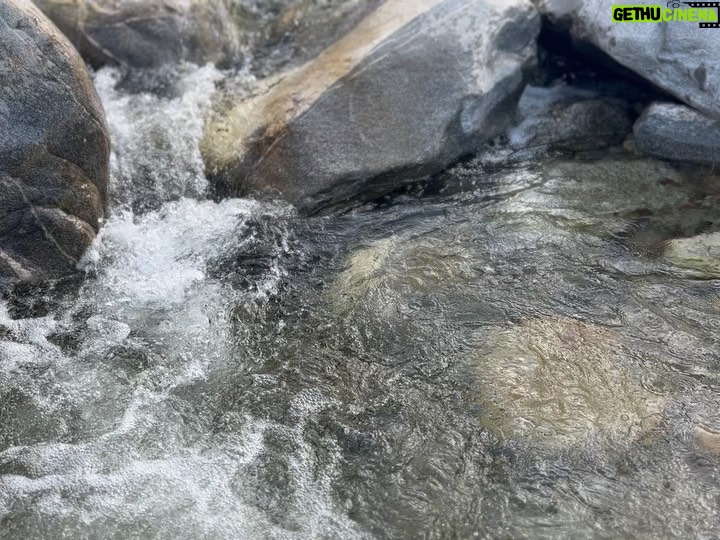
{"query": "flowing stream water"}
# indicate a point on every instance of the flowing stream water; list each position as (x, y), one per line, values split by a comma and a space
(509, 355)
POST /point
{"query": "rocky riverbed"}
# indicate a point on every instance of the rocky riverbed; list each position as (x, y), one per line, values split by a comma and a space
(369, 269)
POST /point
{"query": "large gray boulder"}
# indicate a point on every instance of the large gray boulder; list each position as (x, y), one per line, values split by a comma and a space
(161, 33)
(149, 33)
(676, 132)
(54, 148)
(679, 57)
(413, 87)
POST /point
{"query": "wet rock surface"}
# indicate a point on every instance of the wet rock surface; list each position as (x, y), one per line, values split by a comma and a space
(560, 383)
(158, 35)
(524, 345)
(54, 149)
(569, 120)
(348, 374)
(677, 57)
(297, 31)
(709, 441)
(676, 132)
(413, 87)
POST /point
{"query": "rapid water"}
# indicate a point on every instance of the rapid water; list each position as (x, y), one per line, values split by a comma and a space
(509, 355)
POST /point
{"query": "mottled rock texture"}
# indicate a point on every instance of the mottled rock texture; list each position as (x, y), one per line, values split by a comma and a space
(271, 34)
(54, 148)
(699, 254)
(566, 119)
(295, 31)
(676, 132)
(416, 85)
(149, 33)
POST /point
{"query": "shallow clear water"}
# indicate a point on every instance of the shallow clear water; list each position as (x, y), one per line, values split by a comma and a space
(509, 356)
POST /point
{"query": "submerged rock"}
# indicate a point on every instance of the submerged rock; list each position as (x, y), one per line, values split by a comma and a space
(566, 119)
(385, 274)
(708, 440)
(558, 382)
(679, 57)
(148, 33)
(677, 132)
(464, 261)
(396, 291)
(54, 148)
(413, 87)
(700, 254)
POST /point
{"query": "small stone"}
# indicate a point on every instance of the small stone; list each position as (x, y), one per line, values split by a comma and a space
(708, 441)
(700, 253)
(676, 132)
(560, 118)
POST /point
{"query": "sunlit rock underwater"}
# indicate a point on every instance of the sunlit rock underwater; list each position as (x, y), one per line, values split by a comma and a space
(561, 383)
(360, 269)
(700, 254)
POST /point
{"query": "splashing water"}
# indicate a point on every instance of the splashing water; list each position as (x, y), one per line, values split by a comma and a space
(517, 358)
(155, 140)
(96, 435)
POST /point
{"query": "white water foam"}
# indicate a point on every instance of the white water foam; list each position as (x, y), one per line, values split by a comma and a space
(155, 154)
(103, 446)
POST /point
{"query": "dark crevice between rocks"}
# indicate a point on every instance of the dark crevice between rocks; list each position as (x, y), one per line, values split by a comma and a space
(583, 65)
(561, 59)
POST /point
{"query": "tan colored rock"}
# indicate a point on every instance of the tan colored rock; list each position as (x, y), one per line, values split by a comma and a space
(392, 271)
(417, 84)
(708, 440)
(700, 254)
(559, 382)
(366, 271)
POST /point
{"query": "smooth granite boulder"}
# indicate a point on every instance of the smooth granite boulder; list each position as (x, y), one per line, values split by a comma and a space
(679, 57)
(54, 149)
(676, 132)
(415, 86)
